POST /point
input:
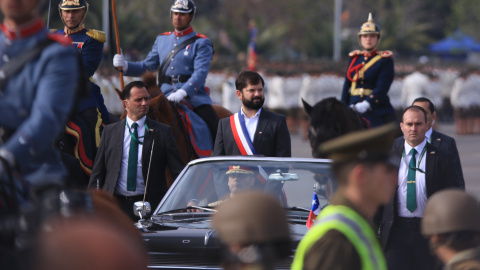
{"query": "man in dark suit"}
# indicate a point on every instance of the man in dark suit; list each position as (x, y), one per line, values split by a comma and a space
(424, 170)
(253, 130)
(437, 139)
(124, 160)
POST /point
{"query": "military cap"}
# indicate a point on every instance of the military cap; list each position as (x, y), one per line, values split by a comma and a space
(72, 4)
(239, 169)
(365, 145)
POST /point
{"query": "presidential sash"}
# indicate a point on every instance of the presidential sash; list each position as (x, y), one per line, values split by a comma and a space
(240, 134)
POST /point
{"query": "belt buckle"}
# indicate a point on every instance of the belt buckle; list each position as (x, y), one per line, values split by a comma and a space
(175, 79)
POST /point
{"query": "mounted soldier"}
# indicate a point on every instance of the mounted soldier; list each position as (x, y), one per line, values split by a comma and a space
(369, 76)
(90, 114)
(183, 58)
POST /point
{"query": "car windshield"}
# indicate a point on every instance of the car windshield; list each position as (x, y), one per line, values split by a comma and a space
(207, 184)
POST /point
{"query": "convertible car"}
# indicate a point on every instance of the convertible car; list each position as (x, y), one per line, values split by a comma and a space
(178, 233)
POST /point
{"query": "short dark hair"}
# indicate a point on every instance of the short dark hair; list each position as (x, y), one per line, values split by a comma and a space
(128, 88)
(417, 109)
(431, 107)
(248, 77)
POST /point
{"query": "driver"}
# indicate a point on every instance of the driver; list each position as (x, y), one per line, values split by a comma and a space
(240, 178)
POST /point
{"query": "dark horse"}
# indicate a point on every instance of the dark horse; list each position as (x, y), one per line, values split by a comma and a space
(163, 111)
(330, 118)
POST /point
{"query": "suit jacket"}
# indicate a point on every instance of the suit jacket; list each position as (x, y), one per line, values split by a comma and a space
(109, 159)
(446, 144)
(439, 174)
(271, 139)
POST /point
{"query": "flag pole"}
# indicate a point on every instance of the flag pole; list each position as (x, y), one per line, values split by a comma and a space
(117, 40)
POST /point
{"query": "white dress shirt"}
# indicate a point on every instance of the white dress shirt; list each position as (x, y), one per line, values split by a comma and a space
(428, 135)
(251, 123)
(420, 186)
(121, 187)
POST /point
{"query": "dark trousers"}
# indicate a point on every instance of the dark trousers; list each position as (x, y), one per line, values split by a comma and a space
(407, 248)
(208, 114)
(126, 204)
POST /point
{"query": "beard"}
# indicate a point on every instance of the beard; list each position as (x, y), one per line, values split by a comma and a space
(254, 104)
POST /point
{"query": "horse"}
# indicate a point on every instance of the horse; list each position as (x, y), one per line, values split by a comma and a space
(328, 119)
(164, 112)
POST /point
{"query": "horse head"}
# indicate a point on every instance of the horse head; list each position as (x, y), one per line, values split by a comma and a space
(329, 118)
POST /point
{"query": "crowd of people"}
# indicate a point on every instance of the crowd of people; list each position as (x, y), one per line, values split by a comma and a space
(55, 126)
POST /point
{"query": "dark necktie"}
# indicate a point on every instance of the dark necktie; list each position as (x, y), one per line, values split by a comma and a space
(132, 160)
(411, 193)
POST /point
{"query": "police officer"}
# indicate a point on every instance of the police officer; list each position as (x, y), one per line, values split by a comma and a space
(343, 237)
(452, 224)
(182, 74)
(253, 228)
(369, 76)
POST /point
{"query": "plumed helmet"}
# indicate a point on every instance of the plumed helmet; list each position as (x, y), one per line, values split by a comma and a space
(369, 27)
(72, 4)
(451, 211)
(183, 6)
(251, 218)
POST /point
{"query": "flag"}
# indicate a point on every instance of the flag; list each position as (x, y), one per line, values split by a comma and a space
(314, 211)
(252, 48)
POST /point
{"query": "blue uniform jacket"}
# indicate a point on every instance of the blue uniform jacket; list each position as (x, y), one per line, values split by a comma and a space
(91, 50)
(378, 78)
(193, 60)
(35, 103)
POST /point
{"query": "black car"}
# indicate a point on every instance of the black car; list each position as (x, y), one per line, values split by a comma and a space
(179, 233)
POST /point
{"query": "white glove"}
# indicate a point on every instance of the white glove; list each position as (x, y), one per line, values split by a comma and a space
(177, 96)
(119, 61)
(362, 107)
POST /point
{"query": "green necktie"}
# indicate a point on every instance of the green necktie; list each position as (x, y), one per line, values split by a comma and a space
(411, 197)
(132, 160)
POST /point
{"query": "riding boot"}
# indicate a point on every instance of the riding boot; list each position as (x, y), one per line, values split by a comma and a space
(208, 114)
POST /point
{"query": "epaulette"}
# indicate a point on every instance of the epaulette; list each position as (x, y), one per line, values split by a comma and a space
(53, 30)
(97, 35)
(217, 203)
(386, 54)
(65, 41)
(165, 33)
(201, 35)
(355, 53)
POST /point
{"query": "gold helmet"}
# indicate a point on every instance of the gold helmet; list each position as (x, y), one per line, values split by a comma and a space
(369, 27)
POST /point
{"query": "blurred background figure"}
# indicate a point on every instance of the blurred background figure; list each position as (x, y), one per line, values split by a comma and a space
(88, 243)
(254, 230)
(452, 225)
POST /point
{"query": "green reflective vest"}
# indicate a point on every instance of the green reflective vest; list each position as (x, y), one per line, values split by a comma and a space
(355, 228)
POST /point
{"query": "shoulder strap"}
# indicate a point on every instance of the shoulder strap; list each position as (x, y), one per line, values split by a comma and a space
(164, 66)
(16, 64)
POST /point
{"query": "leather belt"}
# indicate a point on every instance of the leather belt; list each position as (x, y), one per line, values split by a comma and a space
(176, 79)
(361, 92)
(130, 198)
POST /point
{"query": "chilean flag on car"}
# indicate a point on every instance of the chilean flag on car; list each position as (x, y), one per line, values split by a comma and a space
(314, 211)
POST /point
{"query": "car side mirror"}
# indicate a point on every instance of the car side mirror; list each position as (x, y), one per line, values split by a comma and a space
(142, 209)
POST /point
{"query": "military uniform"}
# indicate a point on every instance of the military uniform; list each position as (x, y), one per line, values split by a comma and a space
(90, 45)
(465, 260)
(369, 77)
(35, 102)
(186, 70)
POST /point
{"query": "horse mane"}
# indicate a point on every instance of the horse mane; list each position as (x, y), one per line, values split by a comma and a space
(329, 119)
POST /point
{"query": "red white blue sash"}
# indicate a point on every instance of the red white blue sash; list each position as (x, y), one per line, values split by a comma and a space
(240, 133)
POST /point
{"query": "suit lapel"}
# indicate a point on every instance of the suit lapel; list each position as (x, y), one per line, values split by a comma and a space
(147, 147)
(118, 140)
(261, 126)
(429, 168)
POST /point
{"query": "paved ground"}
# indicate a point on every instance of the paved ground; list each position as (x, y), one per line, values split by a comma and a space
(468, 147)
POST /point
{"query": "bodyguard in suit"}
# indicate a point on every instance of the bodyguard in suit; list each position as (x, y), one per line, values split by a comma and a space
(123, 159)
(253, 130)
(437, 139)
(424, 170)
